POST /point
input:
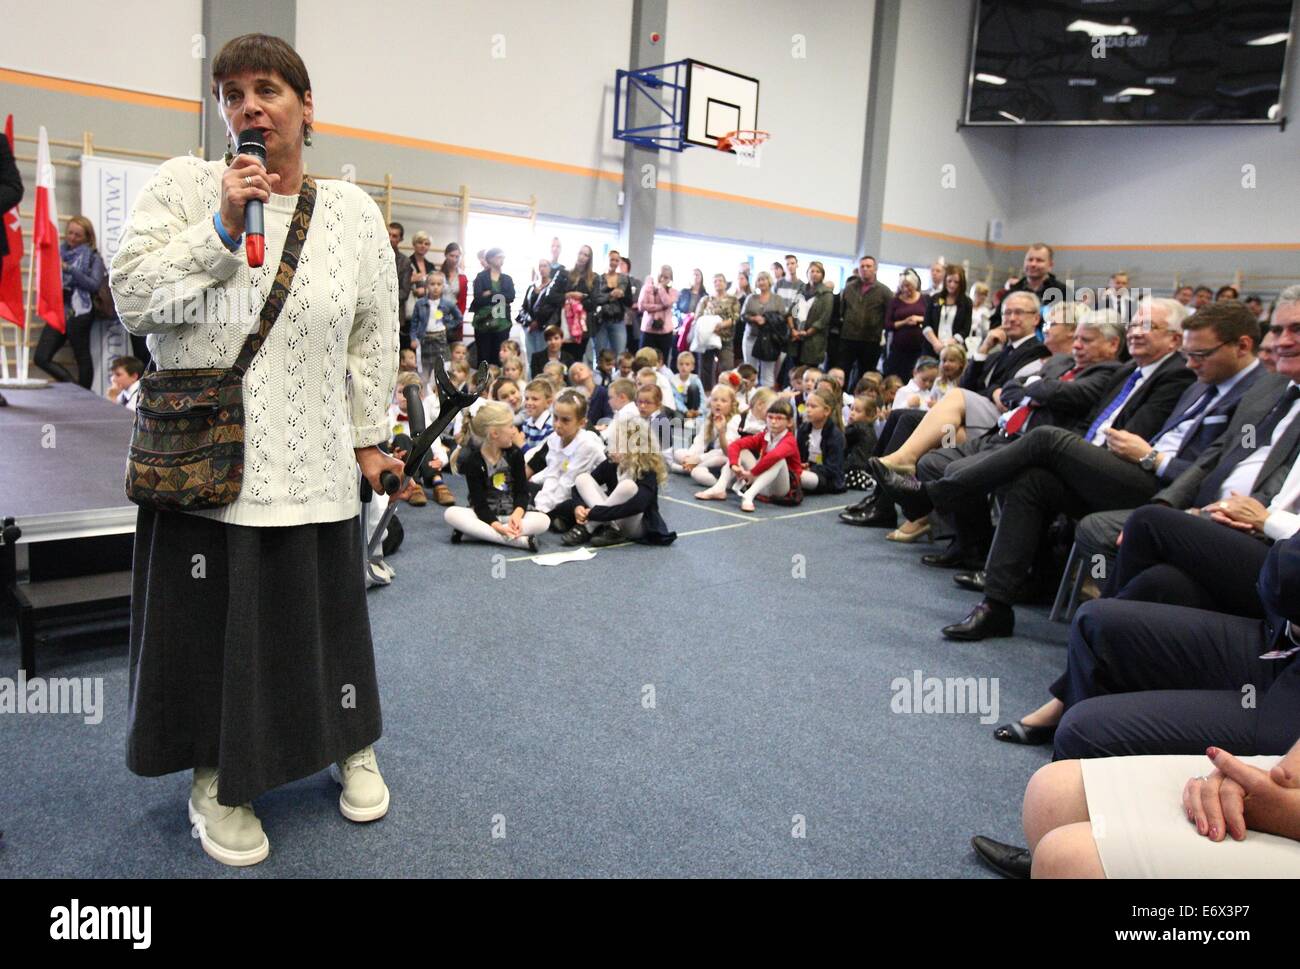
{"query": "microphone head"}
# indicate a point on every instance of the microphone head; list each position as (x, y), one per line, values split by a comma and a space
(251, 142)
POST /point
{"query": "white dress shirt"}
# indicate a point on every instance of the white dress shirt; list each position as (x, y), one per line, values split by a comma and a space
(1242, 479)
(1171, 441)
(130, 397)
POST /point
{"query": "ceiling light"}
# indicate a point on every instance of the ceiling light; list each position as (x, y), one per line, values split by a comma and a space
(1136, 92)
(1011, 117)
(1268, 39)
(990, 79)
(1094, 29)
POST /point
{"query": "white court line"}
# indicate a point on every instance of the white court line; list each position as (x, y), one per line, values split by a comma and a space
(697, 503)
(801, 514)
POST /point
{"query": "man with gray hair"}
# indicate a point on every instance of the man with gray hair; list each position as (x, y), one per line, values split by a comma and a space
(1051, 470)
(1062, 394)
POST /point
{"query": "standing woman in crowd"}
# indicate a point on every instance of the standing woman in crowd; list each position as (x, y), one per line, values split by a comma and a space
(722, 357)
(237, 668)
(811, 332)
(611, 300)
(543, 301)
(903, 321)
(419, 267)
(948, 317)
(494, 292)
(742, 291)
(83, 274)
(656, 304)
(688, 300)
(582, 286)
(766, 331)
(457, 286)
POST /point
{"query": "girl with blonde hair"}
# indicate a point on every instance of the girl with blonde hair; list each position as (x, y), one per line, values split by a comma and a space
(630, 511)
(498, 484)
(709, 449)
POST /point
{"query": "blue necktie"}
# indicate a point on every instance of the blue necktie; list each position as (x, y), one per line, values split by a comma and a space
(1195, 414)
(1115, 404)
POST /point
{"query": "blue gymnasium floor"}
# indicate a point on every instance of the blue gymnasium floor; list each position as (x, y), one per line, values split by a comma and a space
(521, 697)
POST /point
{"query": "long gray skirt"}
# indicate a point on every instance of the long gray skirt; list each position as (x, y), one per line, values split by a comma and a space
(250, 651)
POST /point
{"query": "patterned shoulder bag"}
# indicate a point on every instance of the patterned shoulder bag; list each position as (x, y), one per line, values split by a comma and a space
(187, 447)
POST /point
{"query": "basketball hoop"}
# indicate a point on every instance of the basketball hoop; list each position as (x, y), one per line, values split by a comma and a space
(744, 143)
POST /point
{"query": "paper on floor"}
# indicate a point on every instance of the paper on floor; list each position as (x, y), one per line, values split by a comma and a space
(559, 558)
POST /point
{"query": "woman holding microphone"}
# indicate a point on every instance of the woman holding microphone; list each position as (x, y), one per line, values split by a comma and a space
(251, 661)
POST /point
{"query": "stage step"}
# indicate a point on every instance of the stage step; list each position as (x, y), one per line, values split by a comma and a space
(35, 602)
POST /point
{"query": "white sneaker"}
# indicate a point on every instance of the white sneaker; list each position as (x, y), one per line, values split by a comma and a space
(365, 795)
(231, 835)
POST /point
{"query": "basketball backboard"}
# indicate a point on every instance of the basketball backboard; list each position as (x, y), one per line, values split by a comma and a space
(683, 104)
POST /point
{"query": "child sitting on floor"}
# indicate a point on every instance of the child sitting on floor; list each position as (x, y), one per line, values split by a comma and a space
(708, 452)
(538, 425)
(566, 453)
(821, 443)
(498, 485)
(754, 418)
(650, 408)
(859, 441)
(630, 512)
(766, 465)
(688, 391)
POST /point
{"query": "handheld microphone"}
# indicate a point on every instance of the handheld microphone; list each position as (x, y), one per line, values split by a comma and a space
(252, 143)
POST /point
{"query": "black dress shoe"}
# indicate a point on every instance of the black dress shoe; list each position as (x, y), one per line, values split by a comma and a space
(974, 581)
(577, 535)
(1007, 860)
(532, 544)
(457, 537)
(952, 557)
(879, 514)
(1020, 733)
(905, 490)
(986, 620)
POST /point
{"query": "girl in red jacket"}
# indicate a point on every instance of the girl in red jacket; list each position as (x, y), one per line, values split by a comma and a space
(766, 465)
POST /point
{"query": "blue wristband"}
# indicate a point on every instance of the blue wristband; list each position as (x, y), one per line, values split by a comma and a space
(229, 243)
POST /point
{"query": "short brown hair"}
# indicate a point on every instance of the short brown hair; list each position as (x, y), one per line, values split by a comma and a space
(1229, 319)
(652, 391)
(260, 52)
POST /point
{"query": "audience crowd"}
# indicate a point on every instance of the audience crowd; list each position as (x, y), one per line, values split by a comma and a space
(1151, 441)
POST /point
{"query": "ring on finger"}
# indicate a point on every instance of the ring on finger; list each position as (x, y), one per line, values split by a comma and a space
(248, 179)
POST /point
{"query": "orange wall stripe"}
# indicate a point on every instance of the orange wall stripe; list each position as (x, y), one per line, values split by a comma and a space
(441, 147)
(707, 193)
(88, 90)
(1064, 247)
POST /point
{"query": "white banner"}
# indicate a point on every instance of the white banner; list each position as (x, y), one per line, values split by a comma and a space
(109, 188)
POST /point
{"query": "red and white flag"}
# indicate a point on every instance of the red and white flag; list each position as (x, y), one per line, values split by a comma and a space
(45, 242)
(11, 270)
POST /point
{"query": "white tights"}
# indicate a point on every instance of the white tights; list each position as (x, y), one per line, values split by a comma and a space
(702, 473)
(774, 482)
(809, 481)
(592, 495)
(467, 523)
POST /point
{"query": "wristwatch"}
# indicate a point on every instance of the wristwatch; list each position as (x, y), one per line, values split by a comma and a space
(1148, 462)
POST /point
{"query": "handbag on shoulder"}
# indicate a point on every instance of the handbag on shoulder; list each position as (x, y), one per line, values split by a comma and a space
(187, 446)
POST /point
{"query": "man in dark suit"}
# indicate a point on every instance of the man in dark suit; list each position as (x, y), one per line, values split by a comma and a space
(1052, 470)
(1244, 398)
(1062, 394)
(1020, 346)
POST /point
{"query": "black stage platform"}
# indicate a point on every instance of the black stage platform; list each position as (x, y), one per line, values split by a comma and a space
(66, 545)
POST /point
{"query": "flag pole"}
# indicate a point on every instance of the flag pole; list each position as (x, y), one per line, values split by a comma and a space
(28, 299)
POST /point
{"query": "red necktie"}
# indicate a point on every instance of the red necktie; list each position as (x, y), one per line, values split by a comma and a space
(1020, 416)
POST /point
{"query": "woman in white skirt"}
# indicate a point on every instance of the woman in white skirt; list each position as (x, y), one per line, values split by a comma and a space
(1166, 817)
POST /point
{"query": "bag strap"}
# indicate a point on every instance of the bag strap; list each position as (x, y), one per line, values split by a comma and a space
(279, 294)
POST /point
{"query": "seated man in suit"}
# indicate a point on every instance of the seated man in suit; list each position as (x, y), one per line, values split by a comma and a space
(1062, 394)
(1011, 351)
(1051, 470)
(1158, 678)
(1206, 560)
(1097, 533)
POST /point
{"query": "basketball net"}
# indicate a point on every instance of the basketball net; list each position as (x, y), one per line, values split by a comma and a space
(746, 144)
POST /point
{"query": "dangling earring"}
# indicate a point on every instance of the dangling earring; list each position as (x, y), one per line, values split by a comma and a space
(306, 136)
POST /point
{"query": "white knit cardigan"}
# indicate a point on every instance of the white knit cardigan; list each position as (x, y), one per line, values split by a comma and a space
(174, 279)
